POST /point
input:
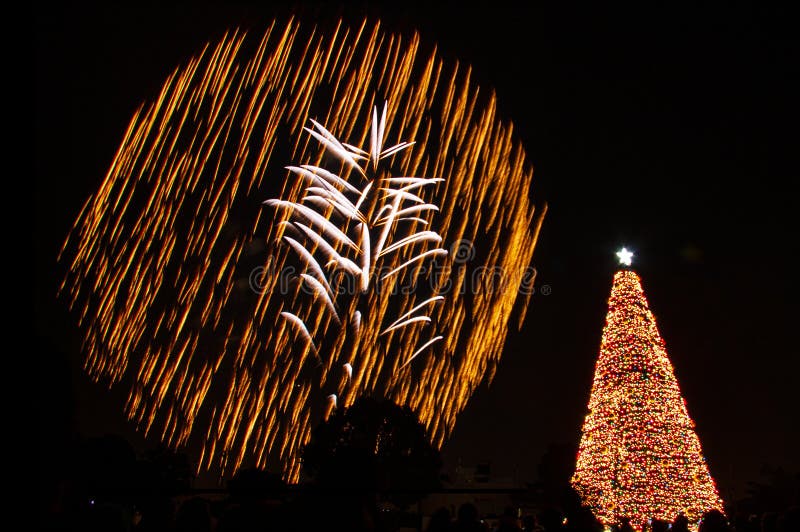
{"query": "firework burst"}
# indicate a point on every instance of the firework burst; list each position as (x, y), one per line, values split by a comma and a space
(218, 347)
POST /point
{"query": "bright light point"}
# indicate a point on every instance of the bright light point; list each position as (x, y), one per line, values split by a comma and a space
(625, 256)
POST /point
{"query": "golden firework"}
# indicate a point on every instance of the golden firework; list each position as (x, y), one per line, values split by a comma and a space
(163, 258)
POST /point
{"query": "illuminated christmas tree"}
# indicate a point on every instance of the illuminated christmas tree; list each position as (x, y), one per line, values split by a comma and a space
(639, 456)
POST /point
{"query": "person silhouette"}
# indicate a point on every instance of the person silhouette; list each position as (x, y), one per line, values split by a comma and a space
(680, 524)
(551, 520)
(657, 525)
(509, 521)
(713, 521)
(440, 521)
(467, 520)
(625, 525)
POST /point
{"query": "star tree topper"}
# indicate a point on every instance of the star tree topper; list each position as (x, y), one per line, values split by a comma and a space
(625, 256)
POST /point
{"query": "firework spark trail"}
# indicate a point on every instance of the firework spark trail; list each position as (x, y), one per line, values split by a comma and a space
(159, 279)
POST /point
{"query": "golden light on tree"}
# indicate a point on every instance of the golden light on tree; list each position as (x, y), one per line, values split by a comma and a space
(639, 456)
(177, 271)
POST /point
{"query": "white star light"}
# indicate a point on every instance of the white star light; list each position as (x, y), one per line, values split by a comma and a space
(625, 256)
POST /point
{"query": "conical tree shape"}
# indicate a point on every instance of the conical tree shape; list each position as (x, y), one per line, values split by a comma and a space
(639, 456)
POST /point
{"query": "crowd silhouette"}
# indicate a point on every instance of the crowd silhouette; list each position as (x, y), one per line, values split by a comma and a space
(348, 486)
(258, 501)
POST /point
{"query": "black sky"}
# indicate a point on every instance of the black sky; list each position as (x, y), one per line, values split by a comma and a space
(671, 130)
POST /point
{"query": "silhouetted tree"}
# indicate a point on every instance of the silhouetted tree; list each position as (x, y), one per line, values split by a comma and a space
(165, 471)
(105, 468)
(162, 473)
(374, 446)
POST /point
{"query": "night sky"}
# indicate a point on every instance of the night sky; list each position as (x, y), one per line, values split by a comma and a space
(670, 130)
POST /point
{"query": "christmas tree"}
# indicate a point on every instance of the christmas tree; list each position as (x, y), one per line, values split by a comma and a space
(639, 456)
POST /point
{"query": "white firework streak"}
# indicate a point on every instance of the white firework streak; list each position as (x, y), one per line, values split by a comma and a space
(388, 201)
